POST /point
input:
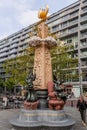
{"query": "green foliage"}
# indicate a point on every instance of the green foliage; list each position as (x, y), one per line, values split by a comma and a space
(17, 69)
(63, 63)
(9, 83)
(1, 83)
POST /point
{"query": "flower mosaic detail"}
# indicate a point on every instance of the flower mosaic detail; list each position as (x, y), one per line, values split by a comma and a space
(36, 41)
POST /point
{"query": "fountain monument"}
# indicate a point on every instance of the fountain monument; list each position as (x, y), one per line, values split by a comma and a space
(44, 105)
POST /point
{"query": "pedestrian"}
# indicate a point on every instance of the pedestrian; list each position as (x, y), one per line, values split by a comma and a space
(81, 106)
(5, 101)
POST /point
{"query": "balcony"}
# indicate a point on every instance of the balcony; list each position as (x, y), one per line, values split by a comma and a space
(16, 39)
(83, 27)
(73, 22)
(83, 18)
(2, 59)
(68, 33)
(24, 42)
(83, 67)
(13, 51)
(73, 30)
(2, 70)
(74, 15)
(84, 4)
(4, 49)
(84, 79)
(82, 45)
(4, 45)
(84, 63)
(14, 45)
(83, 55)
(12, 56)
(83, 36)
(3, 54)
(84, 11)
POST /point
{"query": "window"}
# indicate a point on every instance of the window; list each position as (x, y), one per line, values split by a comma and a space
(74, 14)
(85, 1)
(64, 24)
(55, 28)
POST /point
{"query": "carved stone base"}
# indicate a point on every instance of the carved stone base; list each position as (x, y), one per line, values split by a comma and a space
(42, 119)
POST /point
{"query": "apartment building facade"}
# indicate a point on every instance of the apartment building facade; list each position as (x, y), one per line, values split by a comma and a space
(69, 24)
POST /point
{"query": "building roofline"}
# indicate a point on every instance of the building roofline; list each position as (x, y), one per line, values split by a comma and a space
(30, 26)
(64, 9)
(50, 16)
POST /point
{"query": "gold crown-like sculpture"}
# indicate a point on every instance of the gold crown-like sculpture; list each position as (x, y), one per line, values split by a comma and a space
(42, 14)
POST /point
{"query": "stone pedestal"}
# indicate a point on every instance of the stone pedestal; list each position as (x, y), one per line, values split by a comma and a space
(42, 119)
(42, 98)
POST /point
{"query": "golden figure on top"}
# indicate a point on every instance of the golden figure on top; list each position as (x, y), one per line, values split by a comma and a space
(42, 14)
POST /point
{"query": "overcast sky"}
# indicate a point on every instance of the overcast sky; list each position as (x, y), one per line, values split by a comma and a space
(17, 14)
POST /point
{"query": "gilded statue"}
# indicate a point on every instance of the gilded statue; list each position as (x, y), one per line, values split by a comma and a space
(42, 14)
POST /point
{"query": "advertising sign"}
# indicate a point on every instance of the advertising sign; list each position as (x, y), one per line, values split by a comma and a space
(76, 90)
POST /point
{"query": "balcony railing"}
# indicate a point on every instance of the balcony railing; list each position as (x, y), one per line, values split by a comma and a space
(84, 18)
(4, 49)
(74, 15)
(83, 44)
(84, 64)
(83, 27)
(84, 10)
(13, 51)
(73, 30)
(84, 36)
(83, 55)
(73, 22)
(3, 54)
(84, 79)
(14, 45)
(84, 3)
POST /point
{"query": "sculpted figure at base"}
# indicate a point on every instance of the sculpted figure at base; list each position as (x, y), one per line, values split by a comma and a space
(31, 100)
(56, 101)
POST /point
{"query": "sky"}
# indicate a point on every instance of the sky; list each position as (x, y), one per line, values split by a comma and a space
(17, 14)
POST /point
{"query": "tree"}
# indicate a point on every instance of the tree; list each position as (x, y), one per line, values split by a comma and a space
(1, 83)
(9, 84)
(17, 69)
(63, 63)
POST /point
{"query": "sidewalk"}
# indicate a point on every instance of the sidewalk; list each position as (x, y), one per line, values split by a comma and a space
(72, 111)
(6, 115)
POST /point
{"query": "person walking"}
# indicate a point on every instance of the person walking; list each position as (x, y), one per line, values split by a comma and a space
(5, 102)
(81, 106)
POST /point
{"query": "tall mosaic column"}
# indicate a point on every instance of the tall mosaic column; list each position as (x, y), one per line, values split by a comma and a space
(42, 62)
(42, 65)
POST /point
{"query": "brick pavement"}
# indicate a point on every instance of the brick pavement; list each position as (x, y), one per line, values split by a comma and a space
(6, 115)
